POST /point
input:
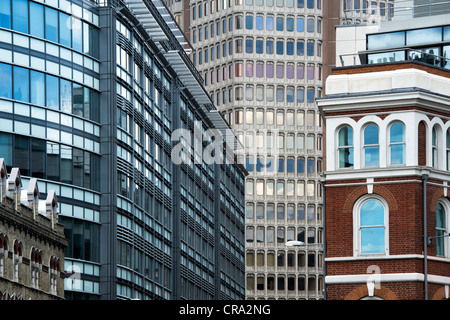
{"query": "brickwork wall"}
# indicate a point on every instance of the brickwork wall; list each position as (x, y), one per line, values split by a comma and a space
(405, 201)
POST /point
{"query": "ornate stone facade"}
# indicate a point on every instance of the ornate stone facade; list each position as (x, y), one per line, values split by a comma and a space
(32, 242)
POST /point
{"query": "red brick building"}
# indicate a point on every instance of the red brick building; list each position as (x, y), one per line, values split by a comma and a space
(387, 182)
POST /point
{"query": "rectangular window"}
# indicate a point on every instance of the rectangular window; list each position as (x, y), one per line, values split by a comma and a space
(300, 165)
(65, 26)
(310, 49)
(290, 165)
(300, 48)
(269, 23)
(280, 24)
(51, 24)
(20, 15)
(52, 92)
(290, 24)
(37, 85)
(249, 46)
(66, 96)
(290, 48)
(259, 22)
(259, 46)
(249, 22)
(21, 84)
(280, 47)
(269, 46)
(37, 17)
(5, 15)
(6, 82)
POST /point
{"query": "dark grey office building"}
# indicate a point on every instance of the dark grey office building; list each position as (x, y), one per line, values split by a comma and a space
(91, 93)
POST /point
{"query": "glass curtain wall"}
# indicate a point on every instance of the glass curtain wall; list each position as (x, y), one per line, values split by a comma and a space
(49, 113)
(263, 69)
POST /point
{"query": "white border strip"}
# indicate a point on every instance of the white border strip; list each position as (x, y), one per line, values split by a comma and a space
(387, 277)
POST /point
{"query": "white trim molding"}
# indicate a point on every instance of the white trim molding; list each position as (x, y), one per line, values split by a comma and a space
(386, 277)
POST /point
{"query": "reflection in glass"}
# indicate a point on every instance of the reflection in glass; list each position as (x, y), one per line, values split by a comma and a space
(446, 55)
(66, 96)
(66, 164)
(38, 158)
(6, 148)
(6, 81)
(51, 24)
(423, 36)
(427, 55)
(386, 57)
(64, 29)
(397, 143)
(53, 161)
(371, 147)
(52, 92)
(440, 229)
(372, 227)
(21, 84)
(77, 34)
(37, 18)
(5, 15)
(345, 147)
(20, 15)
(37, 85)
(385, 40)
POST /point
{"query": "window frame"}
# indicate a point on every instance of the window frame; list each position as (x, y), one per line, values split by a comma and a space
(366, 145)
(357, 225)
(390, 143)
(444, 238)
(343, 147)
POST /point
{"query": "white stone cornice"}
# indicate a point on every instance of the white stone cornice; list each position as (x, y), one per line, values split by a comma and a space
(386, 277)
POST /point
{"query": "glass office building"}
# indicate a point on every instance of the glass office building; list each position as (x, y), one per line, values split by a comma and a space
(91, 93)
(261, 61)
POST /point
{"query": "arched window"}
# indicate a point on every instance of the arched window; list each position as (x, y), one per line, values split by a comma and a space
(345, 147)
(448, 149)
(441, 229)
(371, 146)
(371, 226)
(434, 148)
(397, 143)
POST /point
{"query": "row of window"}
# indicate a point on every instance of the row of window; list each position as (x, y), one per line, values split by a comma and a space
(282, 188)
(200, 9)
(281, 94)
(35, 264)
(282, 260)
(259, 22)
(371, 145)
(288, 47)
(396, 146)
(292, 259)
(272, 283)
(290, 212)
(47, 160)
(288, 165)
(275, 117)
(53, 25)
(279, 141)
(362, 6)
(267, 70)
(42, 89)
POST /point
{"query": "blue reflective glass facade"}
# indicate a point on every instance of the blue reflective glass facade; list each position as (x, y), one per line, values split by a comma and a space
(88, 105)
